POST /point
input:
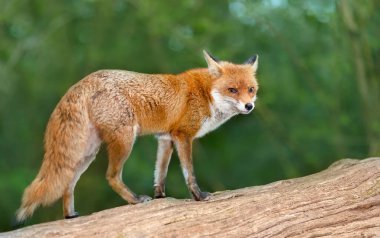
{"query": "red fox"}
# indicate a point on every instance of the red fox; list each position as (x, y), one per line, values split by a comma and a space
(116, 106)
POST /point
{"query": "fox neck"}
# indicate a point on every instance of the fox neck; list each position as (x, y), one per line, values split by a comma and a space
(220, 112)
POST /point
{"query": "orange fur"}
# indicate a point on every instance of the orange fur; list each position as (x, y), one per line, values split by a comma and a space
(116, 106)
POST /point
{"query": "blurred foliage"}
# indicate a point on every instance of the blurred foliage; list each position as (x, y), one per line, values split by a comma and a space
(318, 102)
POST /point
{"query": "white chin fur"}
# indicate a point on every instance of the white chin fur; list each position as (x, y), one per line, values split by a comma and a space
(223, 103)
(246, 112)
(229, 105)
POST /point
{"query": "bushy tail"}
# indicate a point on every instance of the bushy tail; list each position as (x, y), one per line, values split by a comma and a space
(46, 188)
(65, 139)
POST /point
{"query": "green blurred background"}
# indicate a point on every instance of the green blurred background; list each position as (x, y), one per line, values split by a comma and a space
(318, 71)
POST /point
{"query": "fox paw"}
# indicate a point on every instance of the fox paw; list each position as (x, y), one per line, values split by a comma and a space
(143, 198)
(159, 192)
(159, 195)
(201, 196)
(205, 196)
(76, 214)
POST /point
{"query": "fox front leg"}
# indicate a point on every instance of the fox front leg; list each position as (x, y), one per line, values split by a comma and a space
(184, 148)
(164, 152)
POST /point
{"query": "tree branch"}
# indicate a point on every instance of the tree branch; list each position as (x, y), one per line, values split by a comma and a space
(341, 201)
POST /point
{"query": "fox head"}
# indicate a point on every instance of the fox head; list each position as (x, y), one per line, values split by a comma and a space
(234, 86)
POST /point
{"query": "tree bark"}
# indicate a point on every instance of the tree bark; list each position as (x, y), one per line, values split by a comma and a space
(341, 201)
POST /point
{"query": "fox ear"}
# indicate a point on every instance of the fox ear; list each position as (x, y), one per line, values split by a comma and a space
(254, 62)
(213, 64)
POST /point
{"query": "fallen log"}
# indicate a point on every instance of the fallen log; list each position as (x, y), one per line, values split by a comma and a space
(341, 201)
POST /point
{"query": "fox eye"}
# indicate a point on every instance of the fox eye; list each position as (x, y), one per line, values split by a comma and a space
(232, 90)
(251, 90)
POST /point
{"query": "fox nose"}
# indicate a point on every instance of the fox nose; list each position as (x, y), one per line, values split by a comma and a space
(248, 106)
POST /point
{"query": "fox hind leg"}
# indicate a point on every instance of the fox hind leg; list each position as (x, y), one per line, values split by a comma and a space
(119, 148)
(93, 145)
(68, 195)
(164, 152)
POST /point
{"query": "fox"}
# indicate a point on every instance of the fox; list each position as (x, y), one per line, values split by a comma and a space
(114, 107)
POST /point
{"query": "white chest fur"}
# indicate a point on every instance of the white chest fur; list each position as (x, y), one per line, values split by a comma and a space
(211, 123)
(221, 111)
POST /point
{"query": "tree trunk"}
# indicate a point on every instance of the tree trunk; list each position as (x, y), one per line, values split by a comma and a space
(353, 15)
(342, 201)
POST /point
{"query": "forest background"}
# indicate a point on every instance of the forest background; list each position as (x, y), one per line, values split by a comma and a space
(319, 96)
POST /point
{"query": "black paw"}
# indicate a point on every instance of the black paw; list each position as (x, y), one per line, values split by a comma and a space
(205, 196)
(159, 195)
(200, 196)
(143, 198)
(159, 192)
(197, 194)
(76, 214)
